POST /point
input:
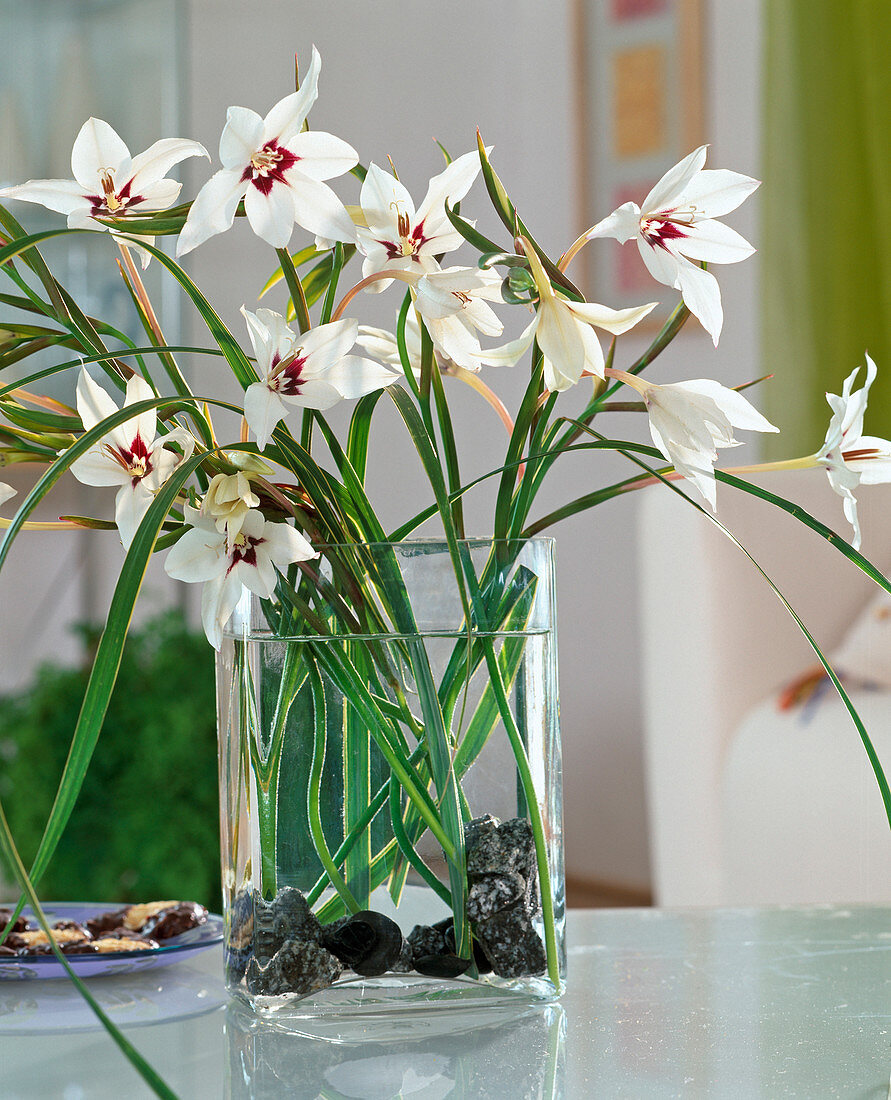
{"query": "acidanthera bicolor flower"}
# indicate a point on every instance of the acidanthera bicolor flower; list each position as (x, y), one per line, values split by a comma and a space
(6, 492)
(690, 420)
(130, 455)
(278, 169)
(108, 182)
(227, 561)
(453, 305)
(312, 371)
(228, 500)
(395, 236)
(564, 333)
(676, 228)
(849, 457)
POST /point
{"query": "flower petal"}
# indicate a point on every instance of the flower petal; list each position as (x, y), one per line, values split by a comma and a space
(288, 115)
(623, 223)
(199, 555)
(713, 242)
(242, 136)
(510, 353)
(560, 340)
(285, 544)
(64, 196)
(702, 296)
(354, 376)
(271, 215)
(326, 344)
(96, 148)
(717, 192)
(382, 195)
(675, 182)
(93, 403)
(154, 164)
(145, 424)
(453, 184)
(213, 210)
(219, 598)
(322, 156)
(738, 409)
(661, 264)
(157, 196)
(131, 504)
(263, 409)
(318, 209)
(615, 321)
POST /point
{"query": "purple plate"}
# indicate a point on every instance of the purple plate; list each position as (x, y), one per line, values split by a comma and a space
(30, 967)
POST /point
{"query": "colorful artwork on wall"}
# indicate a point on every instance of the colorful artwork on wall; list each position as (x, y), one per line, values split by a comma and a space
(640, 87)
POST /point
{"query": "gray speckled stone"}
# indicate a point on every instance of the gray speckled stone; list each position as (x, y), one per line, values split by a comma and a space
(295, 968)
(425, 940)
(512, 945)
(492, 893)
(286, 917)
(502, 897)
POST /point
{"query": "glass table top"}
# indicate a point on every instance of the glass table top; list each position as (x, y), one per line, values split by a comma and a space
(735, 1003)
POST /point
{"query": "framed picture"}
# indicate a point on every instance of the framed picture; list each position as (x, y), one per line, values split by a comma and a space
(640, 88)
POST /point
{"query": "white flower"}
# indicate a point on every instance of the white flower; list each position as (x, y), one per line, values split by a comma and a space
(6, 491)
(312, 371)
(228, 500)
(226, 562)
(395, 235)
(452, 303)
(563, 330)
(277, 168)
(130, 455)
(690, 420)
(108, 182)
(676, 226)
(851, 458)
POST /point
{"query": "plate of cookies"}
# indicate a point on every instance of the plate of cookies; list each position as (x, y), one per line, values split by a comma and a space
(101, 939)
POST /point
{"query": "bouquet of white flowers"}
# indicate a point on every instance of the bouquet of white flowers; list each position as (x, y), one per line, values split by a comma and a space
(352, 716)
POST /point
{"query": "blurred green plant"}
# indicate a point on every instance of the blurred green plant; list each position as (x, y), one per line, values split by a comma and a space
(145, 825)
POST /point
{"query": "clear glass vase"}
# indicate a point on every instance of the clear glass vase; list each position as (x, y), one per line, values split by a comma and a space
(390, 783)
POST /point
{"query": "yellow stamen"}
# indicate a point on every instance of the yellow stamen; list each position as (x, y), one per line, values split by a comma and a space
(265, 159)
(111, 199)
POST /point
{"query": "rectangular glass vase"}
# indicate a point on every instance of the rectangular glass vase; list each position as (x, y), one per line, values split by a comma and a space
(390, 783)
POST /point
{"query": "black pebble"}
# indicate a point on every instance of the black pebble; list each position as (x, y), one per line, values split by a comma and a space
(368, 942)
(441, 966)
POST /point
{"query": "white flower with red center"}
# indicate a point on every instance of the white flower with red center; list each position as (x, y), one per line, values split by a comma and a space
(454, 307)
(395, 235)
(849, 457)
(690, 420)
(228, 562)
(312, 371)
(130, 455)
(564, 332)
(675, 229)
(278, 169)
(108, 182)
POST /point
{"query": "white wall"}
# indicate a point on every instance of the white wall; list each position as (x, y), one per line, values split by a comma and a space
(395, 74)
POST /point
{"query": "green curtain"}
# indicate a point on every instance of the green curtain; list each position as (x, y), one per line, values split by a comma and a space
(826, 203)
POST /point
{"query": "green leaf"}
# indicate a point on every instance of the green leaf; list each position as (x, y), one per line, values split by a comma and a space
(516, 227)
(472, 235)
